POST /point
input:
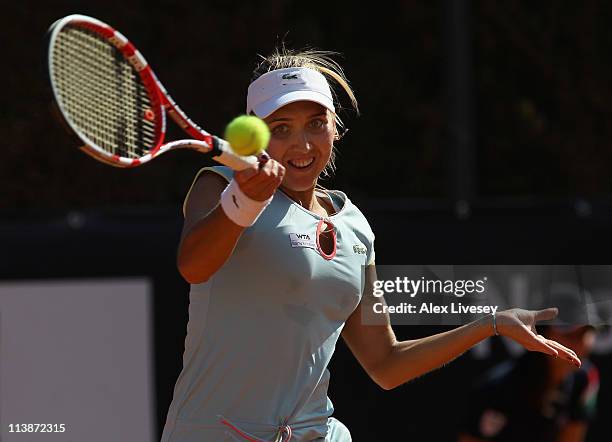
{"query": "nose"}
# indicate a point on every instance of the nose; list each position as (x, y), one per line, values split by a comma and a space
(303, 142)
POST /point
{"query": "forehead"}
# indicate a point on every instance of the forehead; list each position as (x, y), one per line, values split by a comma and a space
(298, 109)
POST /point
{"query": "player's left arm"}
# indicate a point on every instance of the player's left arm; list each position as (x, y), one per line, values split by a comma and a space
(390, 362)
(372, 345)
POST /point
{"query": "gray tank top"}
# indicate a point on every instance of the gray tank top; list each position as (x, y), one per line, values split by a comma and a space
(263, 328)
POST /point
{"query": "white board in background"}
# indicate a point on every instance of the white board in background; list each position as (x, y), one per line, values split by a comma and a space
(78, 353)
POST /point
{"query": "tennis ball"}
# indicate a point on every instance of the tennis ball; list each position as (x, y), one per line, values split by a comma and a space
(248, 135)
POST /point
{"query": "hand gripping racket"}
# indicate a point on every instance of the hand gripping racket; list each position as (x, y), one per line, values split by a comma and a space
(110, 97)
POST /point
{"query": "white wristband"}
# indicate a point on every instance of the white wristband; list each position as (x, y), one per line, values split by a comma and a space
(238, 207)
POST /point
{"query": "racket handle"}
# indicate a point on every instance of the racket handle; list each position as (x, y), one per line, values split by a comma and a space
(222, 153)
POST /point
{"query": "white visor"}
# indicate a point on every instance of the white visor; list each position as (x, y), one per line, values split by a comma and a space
(277, 88)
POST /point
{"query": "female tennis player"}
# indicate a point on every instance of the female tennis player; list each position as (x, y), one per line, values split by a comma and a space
(275, 265)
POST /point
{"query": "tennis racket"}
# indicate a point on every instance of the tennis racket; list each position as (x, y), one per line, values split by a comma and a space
(111, 99)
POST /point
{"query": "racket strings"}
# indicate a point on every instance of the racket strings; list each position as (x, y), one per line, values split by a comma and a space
(102, 93)
(121, 70)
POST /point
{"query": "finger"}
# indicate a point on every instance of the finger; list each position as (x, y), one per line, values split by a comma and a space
(268, 186)
(263, 157)
(268, 190)
(546, 314)
(561, 347)
(262, 186)
(263, 160)
(244, 175)
(265, 164)
(275, 173)
(260, 178)
(268, 168)
(540, 344)
(565, 353)
(274, 169)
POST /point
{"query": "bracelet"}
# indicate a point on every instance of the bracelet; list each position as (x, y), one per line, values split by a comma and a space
(495, 325)
(239, 208)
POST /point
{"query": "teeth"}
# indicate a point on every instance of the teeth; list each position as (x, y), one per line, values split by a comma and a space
(301, 163)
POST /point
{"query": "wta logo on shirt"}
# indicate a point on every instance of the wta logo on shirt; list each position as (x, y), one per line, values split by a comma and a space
(302, 240)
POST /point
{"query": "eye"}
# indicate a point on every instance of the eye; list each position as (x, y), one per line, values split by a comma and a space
(318, 123)
(280, 130)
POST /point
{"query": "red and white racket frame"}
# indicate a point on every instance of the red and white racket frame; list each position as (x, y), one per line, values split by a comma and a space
(161, 102)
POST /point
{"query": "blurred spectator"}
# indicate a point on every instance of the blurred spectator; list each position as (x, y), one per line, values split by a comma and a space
(535, 397)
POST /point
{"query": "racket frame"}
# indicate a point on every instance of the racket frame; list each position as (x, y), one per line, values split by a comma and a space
(161, 102)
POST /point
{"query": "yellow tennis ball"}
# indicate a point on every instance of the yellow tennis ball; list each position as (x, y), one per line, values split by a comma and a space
(248, 135)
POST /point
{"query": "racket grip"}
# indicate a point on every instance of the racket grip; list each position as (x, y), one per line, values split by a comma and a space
(222, 153)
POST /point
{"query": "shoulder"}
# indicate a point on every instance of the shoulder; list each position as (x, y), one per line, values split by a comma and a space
(226, 172)
(223, 172)
(355, 220)
(351, 212)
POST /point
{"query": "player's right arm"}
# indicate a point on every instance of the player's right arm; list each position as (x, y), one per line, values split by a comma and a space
(209, 236)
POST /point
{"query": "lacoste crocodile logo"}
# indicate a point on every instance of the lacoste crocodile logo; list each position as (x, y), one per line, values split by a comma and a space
(359, 249)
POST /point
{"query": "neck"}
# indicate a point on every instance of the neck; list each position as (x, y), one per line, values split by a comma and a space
(305, 198)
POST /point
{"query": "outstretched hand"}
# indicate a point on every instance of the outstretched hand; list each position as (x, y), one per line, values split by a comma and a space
(519, 325)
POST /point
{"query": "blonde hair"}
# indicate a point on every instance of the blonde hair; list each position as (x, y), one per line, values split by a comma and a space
(323, 62)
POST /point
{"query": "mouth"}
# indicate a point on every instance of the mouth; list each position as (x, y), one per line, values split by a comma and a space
(303, 163)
